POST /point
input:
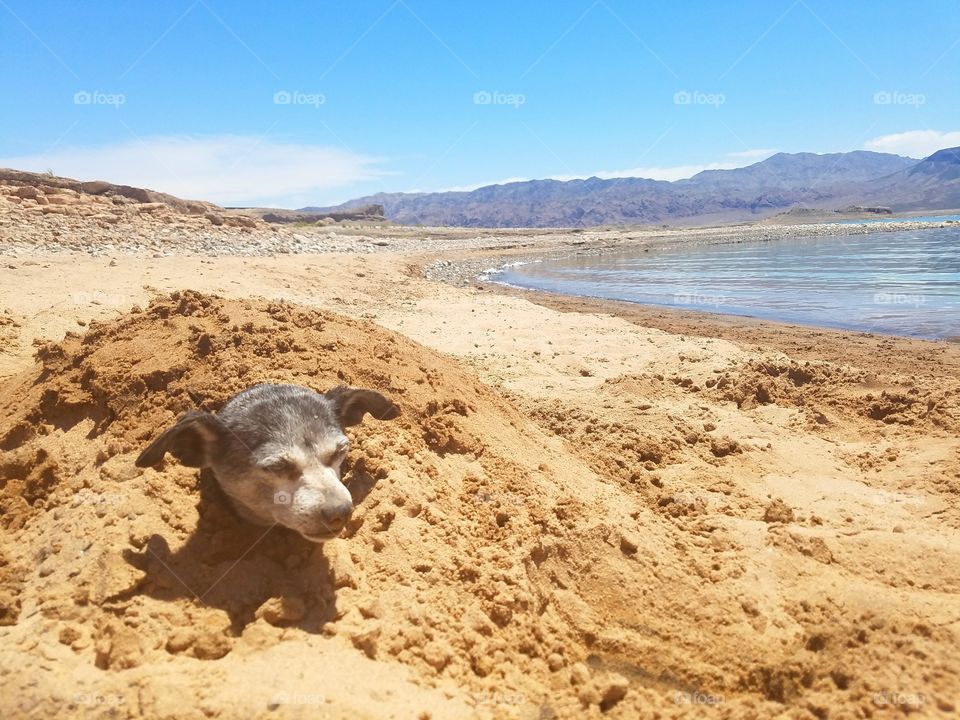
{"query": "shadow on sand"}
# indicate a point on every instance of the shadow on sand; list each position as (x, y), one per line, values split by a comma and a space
(235, 566)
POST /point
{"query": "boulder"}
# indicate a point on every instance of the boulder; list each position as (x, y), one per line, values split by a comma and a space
(27, 192)
(95, 187)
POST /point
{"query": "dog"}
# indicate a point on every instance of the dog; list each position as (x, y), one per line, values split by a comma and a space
(276, 451)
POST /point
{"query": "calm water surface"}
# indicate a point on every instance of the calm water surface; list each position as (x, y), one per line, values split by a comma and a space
(902, 283)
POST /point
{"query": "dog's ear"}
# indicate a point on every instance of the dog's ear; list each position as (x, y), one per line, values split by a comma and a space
(353, 403)
(192, 441)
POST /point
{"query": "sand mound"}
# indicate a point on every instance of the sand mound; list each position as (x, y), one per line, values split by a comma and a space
(500, 563)
(441, 568)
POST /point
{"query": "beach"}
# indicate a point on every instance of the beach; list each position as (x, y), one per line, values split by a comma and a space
(588, 508)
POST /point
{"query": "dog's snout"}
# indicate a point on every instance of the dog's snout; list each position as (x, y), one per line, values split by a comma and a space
(337, 515)
(328, 522)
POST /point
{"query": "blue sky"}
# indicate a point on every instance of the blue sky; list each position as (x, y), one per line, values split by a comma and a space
(290, 104)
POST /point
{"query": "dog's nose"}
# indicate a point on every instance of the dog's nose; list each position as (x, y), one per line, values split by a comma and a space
(337, 516)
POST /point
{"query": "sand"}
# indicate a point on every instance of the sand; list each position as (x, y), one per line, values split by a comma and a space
(586, 509)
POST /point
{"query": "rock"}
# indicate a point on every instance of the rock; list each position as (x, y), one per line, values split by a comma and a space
(778, 512)
(282, 611)
(436, 655)
(27, 192)
(370, 609)
(180, 639)
(579, 674)
(721, 447)
(95, 187)
(367, 640)
(118, 648)
(69, 635)
(613, 690)
(214, 218)
(106, 218)
(628, 543)
(211, 645)
(240, 221)
(9, 607)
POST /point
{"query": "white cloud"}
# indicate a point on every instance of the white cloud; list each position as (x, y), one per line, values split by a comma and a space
(225, 169)
(753, 155)
(682, 172)
(914, 143)
(474, 186)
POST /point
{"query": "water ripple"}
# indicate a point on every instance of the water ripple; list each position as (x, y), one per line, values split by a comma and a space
(904, 283)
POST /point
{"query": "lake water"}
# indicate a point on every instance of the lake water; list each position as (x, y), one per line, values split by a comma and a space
(918, 218)
(901, 283)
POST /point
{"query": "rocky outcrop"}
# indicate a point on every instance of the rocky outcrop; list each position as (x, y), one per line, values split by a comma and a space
(865, 210)
(311, 215)
(51, 184)
(106, 204)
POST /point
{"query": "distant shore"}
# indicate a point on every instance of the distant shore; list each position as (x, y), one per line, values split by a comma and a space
(475, 265)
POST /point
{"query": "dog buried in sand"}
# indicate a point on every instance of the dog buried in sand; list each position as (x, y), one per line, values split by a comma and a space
(276, 452)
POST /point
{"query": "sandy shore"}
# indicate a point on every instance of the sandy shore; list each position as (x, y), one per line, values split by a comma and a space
(587, 508)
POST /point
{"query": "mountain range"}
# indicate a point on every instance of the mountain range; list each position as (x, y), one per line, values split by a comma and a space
(783, 181)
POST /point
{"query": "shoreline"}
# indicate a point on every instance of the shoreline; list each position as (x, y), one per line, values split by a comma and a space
(476, 268)
(622, 308)
(878, 351)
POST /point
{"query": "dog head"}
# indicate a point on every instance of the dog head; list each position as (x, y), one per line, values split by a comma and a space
(276, 450)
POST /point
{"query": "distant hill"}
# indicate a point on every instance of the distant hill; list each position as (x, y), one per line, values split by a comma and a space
(780, 182)
(933, 183)
(807, 170)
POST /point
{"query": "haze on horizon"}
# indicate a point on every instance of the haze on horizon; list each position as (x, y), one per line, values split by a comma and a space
(291, 106)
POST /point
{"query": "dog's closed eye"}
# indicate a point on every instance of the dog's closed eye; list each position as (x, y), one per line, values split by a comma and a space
(281, 466)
